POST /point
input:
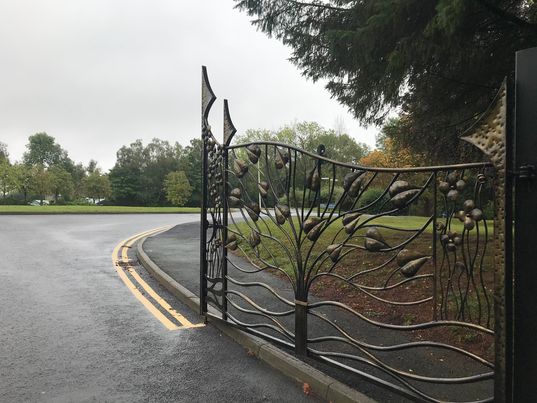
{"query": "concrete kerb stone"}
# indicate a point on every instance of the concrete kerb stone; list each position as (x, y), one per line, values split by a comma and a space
(321, 384)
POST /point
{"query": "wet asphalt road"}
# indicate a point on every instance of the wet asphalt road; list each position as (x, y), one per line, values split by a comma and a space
(71, 331)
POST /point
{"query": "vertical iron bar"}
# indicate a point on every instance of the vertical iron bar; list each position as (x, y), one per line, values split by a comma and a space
(435, 263)
(321, 151)
(320, 188)
(203, 225)
(525, 253)
(301, 311)
(301, 327)
(207, 99)
(507, 377)
(225, 206)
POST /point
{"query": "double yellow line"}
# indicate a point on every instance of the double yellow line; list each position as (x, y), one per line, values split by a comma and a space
(120, 259)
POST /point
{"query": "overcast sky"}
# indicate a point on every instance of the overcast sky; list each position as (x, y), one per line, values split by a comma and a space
(98, 74)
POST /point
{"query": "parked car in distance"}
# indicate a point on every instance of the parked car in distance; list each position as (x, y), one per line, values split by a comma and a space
(38, 203)
(104, 202)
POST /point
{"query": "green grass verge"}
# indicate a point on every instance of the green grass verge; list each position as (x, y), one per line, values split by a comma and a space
(95, 210)
(274, 252)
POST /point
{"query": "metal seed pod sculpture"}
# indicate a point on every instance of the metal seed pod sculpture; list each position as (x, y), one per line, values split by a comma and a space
(350, 221)
(352, 183)
(374, 241)
(263, 188)
(402, 193)
(410, 262)
(253, 210)
(313, 179)
(281, 158)
(282, 213)
(253, 151)
(235, 197)
(240, 168)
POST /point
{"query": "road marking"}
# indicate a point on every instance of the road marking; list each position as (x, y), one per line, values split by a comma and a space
(121, 269)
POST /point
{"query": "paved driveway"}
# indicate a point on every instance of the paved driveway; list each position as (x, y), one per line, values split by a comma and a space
(70, 330)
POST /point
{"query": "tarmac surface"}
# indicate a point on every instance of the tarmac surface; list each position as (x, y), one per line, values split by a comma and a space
(72, 331)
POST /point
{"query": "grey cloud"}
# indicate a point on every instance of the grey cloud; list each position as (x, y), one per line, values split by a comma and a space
(98, 74)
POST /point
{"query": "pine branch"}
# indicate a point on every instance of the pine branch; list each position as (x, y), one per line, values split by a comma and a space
(497, 11)
(464, 83)
(318, 5)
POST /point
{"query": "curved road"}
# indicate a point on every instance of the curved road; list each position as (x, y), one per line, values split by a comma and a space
(71, 331)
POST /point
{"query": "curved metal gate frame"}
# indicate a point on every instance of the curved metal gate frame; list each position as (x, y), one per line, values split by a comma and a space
(288, 200)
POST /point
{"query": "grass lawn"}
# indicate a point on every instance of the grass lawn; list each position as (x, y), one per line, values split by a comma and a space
(333, 234)
(95, 210)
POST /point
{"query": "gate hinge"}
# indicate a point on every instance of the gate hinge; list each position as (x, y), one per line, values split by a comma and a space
(525, 171)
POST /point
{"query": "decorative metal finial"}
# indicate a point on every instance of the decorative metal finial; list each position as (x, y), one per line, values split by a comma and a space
(207, 95)
(488, 134)
(229, 128)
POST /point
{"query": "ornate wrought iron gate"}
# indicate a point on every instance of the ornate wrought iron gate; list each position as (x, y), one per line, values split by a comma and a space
(327, 258)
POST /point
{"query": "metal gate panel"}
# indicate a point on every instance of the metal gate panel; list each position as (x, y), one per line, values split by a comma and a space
(295, 249)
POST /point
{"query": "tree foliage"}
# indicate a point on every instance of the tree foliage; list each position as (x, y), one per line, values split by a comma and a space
(439, 61)
(96, 185)
(4, 155)
(22, 179)
(40, 181)
(177, 188)
(42, 149)
(6, 177)
(61, 182)
(308, 136)
(138, 176)
(191, 164)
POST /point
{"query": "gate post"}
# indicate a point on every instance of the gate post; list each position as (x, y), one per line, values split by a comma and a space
(203, 226)
(207, 100)
(524, 372)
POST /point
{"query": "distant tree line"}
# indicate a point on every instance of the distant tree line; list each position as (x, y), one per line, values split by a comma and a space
(47, 173)
(155, 174)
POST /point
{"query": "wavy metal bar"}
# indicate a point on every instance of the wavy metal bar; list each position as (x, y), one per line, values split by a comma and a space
(263, 285)
(354, 342)
(247, 325)
(418, 393)
(420, 326)
(262, 314)
(256, 306)
(364, 168)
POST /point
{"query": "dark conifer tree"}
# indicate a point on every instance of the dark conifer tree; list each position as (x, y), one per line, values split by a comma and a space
(439, 61)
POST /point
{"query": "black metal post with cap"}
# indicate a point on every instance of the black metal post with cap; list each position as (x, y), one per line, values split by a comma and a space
(524, 371)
